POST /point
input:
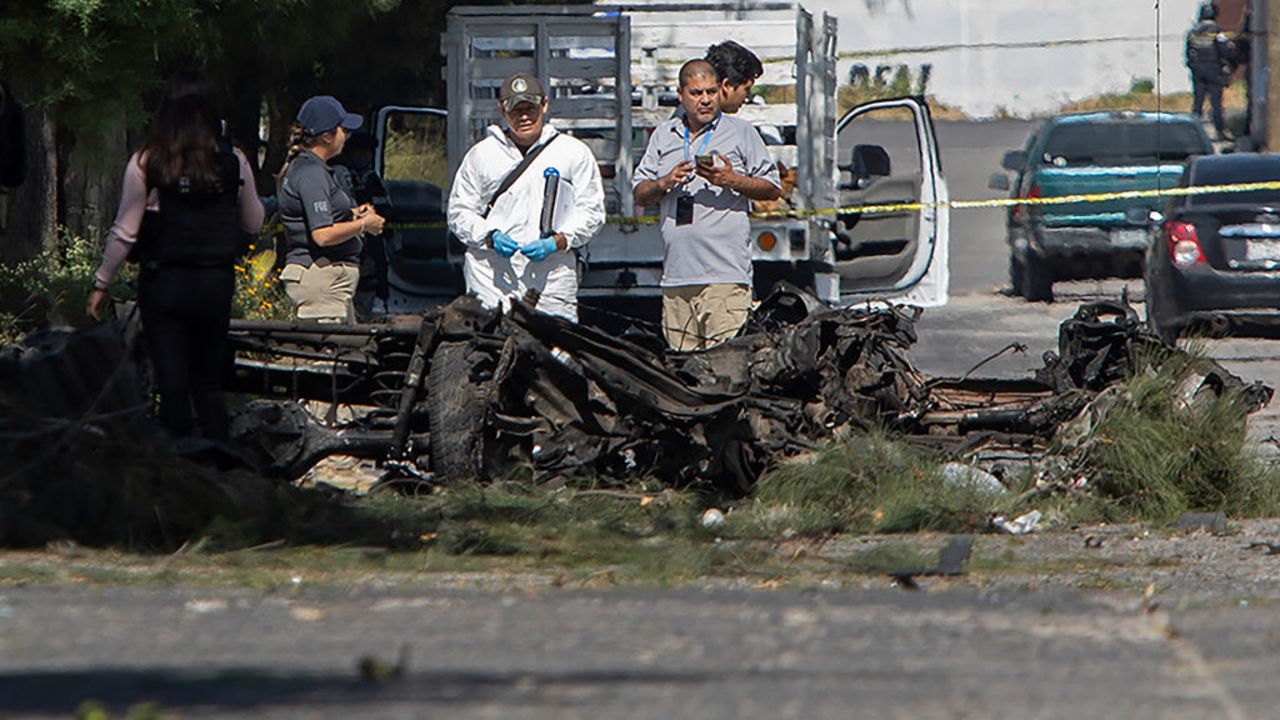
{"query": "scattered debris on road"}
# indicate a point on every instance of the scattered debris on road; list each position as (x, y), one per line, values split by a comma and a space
(465, 394)
(577, 402)
(1021, 525)
(1214, 522)
(951, 561)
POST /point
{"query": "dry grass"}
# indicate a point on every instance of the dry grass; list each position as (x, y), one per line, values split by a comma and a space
(850, 96)
(1233, 100)
(1157, 454)
(416, 153)
(867, 483)
(175, 521)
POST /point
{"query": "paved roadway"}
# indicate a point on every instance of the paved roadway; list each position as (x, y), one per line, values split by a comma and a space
(707, 654)
(971, 152)
(676, 654)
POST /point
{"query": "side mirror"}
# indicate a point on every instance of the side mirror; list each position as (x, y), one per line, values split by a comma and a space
(999, 181)
(1014, 160)
(870, 161)
(1143, 216)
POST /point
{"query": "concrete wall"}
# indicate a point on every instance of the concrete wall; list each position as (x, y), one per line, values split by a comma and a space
(984, 81)
(1061, 51)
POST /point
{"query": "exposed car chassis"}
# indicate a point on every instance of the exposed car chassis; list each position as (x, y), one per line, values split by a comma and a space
(463, 393)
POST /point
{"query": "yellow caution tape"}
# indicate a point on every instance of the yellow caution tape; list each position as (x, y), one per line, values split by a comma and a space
(1010, 202)
(892, 208)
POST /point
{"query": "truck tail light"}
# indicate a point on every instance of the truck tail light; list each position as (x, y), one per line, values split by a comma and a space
(1020, 211)
(1184, 244)
(767, 241)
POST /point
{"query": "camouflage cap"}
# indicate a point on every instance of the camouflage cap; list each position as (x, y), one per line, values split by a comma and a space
(520, 88)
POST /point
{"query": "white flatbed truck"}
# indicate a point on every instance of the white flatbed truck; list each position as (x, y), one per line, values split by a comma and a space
(610, 70)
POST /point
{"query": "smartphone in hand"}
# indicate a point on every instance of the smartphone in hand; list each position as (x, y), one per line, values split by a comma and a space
(706, 161)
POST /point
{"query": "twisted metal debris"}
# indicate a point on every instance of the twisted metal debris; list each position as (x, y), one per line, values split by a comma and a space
(465, 393)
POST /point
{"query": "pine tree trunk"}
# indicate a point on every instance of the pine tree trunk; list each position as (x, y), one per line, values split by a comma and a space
(33, 206)
(46, 179)
(91, 181)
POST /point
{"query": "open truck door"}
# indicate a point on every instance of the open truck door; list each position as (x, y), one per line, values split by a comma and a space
(887, 155)
(423, 262)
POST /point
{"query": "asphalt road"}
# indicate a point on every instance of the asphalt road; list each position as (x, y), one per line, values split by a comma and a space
(950, 652)
(971, 152)
(631, 654)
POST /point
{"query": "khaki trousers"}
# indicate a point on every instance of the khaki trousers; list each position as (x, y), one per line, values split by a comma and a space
(322, 293)
(698, 317)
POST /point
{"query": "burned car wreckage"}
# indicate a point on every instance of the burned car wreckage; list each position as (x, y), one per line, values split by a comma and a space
(461, 392)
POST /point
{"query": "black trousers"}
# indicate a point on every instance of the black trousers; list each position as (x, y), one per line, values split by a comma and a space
(185, 314)
(1208, 83)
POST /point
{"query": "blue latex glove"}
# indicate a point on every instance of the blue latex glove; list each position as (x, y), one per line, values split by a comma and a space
(539, 249)
(503, 244)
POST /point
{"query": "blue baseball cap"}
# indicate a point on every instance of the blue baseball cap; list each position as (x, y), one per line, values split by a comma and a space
(323, 113)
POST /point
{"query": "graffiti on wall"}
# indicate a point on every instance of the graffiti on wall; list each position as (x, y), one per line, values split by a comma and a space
(891, 79)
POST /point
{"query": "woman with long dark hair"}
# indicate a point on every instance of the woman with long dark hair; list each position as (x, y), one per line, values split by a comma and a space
(323, 225)
(200, 202)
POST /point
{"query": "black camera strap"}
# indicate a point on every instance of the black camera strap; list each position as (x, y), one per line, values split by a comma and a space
(516, 172)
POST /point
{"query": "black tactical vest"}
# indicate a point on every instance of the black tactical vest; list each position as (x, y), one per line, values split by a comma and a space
(198, 222)
(1204, 48)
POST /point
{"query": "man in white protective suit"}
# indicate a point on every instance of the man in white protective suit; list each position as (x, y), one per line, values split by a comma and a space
(496, 205)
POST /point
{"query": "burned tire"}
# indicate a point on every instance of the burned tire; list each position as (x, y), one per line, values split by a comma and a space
(456, 402)
(1037, 278)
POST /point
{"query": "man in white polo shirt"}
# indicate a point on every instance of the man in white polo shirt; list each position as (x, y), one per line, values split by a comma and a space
(703, 168)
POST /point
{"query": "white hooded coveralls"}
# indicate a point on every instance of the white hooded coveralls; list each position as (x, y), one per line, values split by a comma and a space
(495, 280)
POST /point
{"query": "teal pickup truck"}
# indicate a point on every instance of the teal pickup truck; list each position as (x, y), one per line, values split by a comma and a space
(1086, 154)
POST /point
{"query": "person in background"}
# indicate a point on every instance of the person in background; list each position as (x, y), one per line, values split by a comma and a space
(353, 169)
(737, 70)
(1207, 55)
(198, 195)
(507, 254)
(323, 225)
(702, 168)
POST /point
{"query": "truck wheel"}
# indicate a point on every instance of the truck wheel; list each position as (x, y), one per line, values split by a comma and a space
(1037, 278)
(1015, 275)
(456, 404)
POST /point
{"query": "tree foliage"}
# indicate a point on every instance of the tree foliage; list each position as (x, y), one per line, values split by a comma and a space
(99, 60)
(95, 68)
(91, 59)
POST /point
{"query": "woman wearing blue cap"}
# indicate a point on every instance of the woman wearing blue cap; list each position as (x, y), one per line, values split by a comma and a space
(323, 225)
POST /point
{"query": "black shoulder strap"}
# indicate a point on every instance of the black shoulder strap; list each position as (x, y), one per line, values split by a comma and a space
(516, 172)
